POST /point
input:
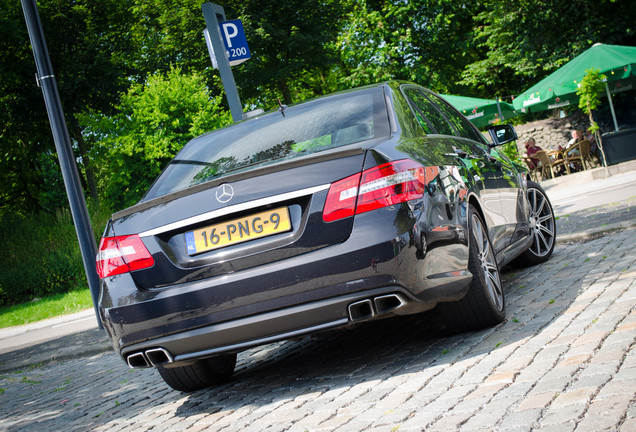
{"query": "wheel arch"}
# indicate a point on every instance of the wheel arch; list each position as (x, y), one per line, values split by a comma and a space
(474, 201)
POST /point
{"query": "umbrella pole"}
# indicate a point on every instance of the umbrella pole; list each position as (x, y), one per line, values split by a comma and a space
(609, 96)
(499, 109)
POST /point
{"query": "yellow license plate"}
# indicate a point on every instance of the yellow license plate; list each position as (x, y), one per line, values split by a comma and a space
(238, 231)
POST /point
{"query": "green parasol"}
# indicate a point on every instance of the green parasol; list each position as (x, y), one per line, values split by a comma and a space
(559, 89)
(481, 112)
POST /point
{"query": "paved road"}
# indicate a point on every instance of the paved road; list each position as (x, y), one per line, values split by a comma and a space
(564, 360)
(22, 337)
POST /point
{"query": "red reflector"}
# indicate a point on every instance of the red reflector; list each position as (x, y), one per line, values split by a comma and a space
(341, 200)
(122, 254)
(382, 186)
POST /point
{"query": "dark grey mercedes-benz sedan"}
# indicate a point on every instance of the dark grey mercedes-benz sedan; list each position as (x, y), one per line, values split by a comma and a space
(355, 206)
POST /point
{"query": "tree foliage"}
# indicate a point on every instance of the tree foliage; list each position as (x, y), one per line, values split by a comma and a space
(163, 33)
(290, 41)
(522, 41)
(300, 49)
(153, 122)
(136, 81)
(589, 94)
(85, 49)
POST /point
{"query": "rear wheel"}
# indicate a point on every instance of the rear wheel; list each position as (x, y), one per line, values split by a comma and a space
(542, 227)
(201, 374)
(484, 304)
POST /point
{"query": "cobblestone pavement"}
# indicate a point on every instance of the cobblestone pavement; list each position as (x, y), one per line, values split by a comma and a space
(563, 360)
(602, 216)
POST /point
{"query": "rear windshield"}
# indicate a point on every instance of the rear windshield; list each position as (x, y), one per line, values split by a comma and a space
(298, 130)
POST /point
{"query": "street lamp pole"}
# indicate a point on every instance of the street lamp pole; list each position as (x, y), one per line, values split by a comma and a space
(46, 80)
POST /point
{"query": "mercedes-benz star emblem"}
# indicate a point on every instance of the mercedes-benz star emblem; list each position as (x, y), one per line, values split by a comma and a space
(224, 193)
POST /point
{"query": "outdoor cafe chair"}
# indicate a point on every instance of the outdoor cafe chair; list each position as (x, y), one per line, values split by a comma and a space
(535, 169)
(549, 164)
(580, 152)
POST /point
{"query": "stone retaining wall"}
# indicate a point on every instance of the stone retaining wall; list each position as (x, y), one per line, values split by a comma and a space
(550, 133)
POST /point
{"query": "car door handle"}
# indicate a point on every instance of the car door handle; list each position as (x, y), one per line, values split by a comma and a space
(494, 160)
(461, 153)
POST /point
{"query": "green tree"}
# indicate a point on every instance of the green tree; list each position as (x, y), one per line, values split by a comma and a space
(522, 41)
(589, 94)
(23, 131)
(85, 42)
(289, 41)
(153, 122)
(164, 33)
(426, 41)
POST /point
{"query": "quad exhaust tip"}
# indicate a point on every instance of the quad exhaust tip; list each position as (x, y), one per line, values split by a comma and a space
(388, 303)
(158, 357)
(137, 360)
(152, 357)
(368, 308)
(358, 311)
(361, 310)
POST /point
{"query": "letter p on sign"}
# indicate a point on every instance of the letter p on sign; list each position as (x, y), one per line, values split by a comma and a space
(229, 31)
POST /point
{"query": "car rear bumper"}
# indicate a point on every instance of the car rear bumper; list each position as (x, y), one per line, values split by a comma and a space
(289, 298)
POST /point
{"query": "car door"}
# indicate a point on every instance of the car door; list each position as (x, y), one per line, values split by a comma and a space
(510, 191)
(470, 150)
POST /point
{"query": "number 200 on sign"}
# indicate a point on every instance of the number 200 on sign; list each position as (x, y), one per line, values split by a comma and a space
(236, 52)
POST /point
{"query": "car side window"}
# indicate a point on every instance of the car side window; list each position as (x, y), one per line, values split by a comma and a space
(429, 117)
(460, 123)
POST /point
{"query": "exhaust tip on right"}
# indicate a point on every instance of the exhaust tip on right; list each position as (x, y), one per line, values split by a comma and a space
(158, 356)
(388, 303)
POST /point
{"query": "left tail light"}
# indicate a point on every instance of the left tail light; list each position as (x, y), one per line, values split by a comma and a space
(385, 185)
(122, 254)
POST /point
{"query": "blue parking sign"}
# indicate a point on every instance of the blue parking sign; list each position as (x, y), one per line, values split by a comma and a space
(235, 41)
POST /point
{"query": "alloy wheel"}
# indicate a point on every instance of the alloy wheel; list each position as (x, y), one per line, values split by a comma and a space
(542, 223)
(488, 264)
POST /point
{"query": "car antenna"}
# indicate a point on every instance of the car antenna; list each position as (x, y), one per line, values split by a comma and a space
(281, 107)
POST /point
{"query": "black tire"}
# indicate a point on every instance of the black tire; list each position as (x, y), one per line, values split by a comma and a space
(484, 305)
(201, 374)
(542, 228)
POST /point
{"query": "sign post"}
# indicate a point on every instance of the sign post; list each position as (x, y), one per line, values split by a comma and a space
(215, 15)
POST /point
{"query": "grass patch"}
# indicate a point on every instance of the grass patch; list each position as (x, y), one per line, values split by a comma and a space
(47, 307)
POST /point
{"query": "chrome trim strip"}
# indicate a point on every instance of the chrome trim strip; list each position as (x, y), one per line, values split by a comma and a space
(232, 209)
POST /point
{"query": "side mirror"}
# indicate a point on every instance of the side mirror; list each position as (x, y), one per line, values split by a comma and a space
(502, 134)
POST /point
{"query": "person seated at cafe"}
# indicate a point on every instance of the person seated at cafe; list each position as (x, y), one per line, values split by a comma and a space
(531, 149)
(577, 136)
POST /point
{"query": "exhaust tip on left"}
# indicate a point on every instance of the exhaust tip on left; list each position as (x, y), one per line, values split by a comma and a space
(137, 360)
(361, 310)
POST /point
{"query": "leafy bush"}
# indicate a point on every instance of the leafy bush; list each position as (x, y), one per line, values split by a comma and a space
(41, 254)
(154, 121)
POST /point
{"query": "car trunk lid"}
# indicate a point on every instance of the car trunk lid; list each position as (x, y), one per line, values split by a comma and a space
(264, 218)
